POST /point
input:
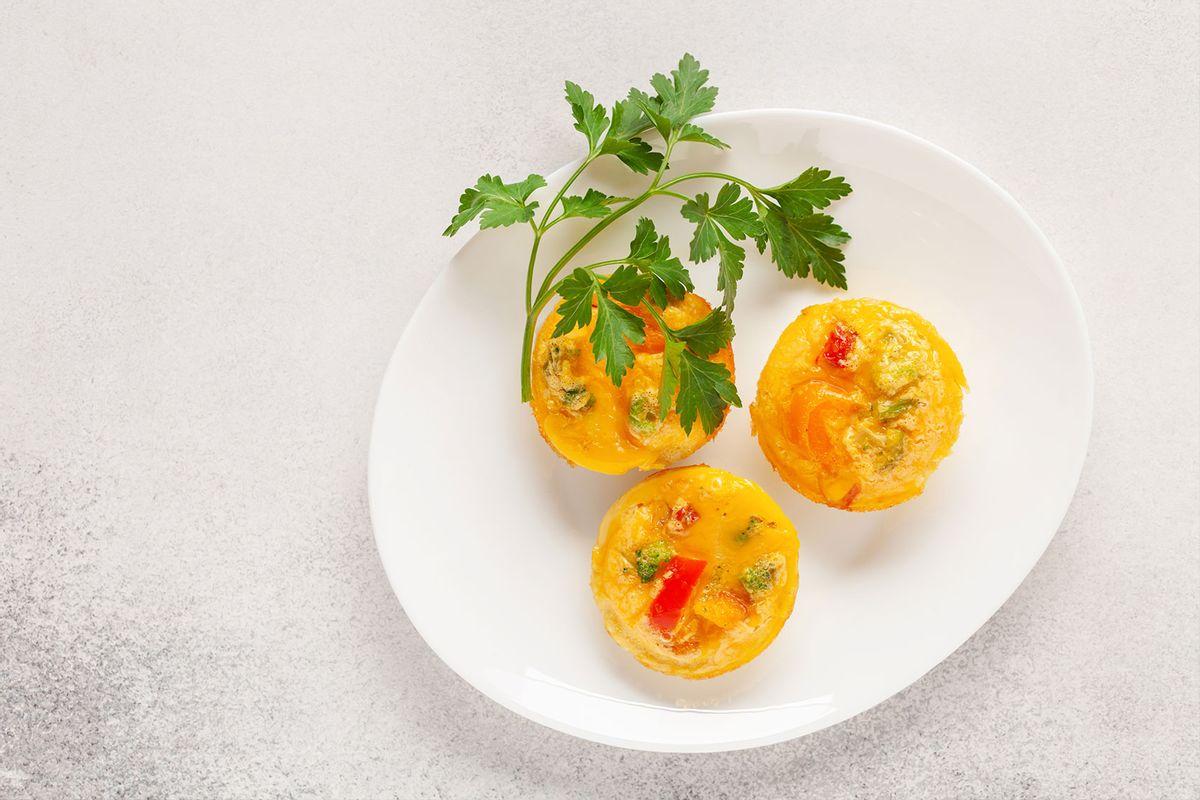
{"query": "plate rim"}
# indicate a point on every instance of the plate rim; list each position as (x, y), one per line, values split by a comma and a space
(840, 714)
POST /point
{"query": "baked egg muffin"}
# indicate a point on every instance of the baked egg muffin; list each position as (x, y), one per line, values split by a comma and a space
(694, 571)
(858, 402)
(593, 423)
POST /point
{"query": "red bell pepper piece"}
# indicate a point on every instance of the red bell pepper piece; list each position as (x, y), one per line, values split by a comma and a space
(851, 495)
(685, 515)
(838, 345)
(679, 579)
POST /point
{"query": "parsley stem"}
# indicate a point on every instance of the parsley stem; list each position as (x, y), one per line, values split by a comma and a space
(533, 252)
(632, 204)
(583, 242)
(593, 267)
(667, 330)
(543, 226)
(754, 190)
(562, 191)
(527, 358)
(666, 162)
(548, 295)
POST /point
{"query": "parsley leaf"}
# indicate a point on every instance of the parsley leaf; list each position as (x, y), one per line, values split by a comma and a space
(694, 133)
(615, 325)
(644, 243)
(801, 242)
(730, 211)
(590, 118)
(500, 203)
(634, 153)
(760, 239)
(670, 280)
(813, 188)
(628, 120)
(672, 351)
(729, 272)
(626, 285)
(593, 204)
(706, 391)
(730, 217)
(651, 107)
(708, 335)
(683, 95)
(651, 253)
(575, 311)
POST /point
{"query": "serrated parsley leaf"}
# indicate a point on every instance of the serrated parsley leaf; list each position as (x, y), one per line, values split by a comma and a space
(590, 118)
(729, 271)
(760, 240)
(651, 107)
(500, 203)
(627, 285)
(799, 243)
(684, 94)
(669, 280)
(706, 391)
(634, 153)
(694, 133)
(708, 335)
(644, 242)
(592, 204)
(577, 290)
(672, 351)
(614, 326)
(651, 253)
(732, 212)
(580, 291)
(813, 188)
(628, 120)
(707, 235)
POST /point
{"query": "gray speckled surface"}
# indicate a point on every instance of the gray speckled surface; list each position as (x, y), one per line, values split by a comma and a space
(215, 219)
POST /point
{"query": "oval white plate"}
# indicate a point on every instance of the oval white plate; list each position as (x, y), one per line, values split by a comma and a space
(486, 534)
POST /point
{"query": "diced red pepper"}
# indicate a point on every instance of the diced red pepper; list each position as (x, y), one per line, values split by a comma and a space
(838, 346)
(851, 495)
(679, 580)
(685, 515)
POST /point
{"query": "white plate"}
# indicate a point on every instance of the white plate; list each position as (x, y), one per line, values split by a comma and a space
(486, 534)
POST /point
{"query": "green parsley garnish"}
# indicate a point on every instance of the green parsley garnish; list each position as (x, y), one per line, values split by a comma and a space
(783, 217)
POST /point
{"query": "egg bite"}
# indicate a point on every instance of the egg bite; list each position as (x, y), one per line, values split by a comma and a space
(593, 423)
(694, 571)
(858, 403)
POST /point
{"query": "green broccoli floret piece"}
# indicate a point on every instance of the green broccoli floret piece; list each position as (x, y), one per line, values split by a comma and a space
(751, 529)
(577, 397)
(760, 577)
(651, 557)
(643, 413)
(892, 377)
(571, 391)
(886, 410)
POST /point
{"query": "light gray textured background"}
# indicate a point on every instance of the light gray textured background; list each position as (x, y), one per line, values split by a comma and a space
(215, 219)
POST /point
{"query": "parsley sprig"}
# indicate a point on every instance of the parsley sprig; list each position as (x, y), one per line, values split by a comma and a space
(786, 218)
